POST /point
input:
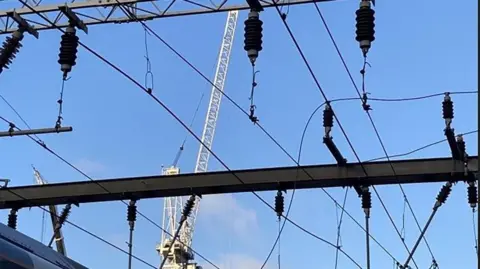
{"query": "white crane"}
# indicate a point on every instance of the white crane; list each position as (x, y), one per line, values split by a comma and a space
(180, 256)
(60, 243)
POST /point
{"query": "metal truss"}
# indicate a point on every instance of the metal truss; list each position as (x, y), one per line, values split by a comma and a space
(94, 12)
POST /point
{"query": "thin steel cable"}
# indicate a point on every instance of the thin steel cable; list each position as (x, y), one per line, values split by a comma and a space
(43, 145)
(58, 124)
(378, 137)
(339, 226)
(474, 232)
(235, 104)
(77, 226)
(336, 118)
(188, 129)
(184, 141)
(403, 230)
(420, 148)
(196, 137)
(325, 191)
(18, 115)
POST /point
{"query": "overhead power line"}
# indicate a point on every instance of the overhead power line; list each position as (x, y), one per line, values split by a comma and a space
(43, 145)
(310, 70)
(187, 128)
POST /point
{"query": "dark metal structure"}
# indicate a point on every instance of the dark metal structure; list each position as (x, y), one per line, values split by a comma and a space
(324, 176)
(109, 12)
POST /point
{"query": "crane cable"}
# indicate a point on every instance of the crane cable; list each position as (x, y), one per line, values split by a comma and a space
(182, 146)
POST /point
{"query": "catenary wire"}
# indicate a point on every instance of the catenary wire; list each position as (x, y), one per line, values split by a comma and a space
(193, 67)
(211, 152)
(419, 149)
(72, 223)
(336, 119)
(336, 203)
(44, 145)
(377, 135)
(18, 115)
(339, 226)
(188, 129)
(474, 232)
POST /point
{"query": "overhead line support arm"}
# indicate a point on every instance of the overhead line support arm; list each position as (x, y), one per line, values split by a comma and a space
(102, 12)
(324, 176)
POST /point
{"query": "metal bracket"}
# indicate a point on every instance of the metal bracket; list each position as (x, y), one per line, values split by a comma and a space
(73, 18)
(23, 24)
(36, 131)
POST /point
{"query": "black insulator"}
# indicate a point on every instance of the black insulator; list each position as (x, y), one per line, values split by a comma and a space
(472, 195)
(132, 212)
(328, 117)
(444, 193)
(365, 26)
(447, 107)
(9, 49)
(461, 145)
(65, 212)
(68, 50)
(279, 203)
(253, 35)
(366, 199)
(187, 209)
(12, 219)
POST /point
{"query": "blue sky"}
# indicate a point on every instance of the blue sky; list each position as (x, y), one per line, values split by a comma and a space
(421, 48)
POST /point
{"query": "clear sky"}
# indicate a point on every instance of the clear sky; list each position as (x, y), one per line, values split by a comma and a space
(421, 47)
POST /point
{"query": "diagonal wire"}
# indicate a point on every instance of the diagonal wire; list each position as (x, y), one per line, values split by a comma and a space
(189, 130)
(339, 227)
(336, 118)
(379, 139)
(420, 148)
(235, 104)
(70, 222)
(43, 145)
(325, 191)
(18, 115)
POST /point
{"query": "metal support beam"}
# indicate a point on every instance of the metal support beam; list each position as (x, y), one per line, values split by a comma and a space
(102, 12)
(22, 23)
(332, 175)
(36, 131)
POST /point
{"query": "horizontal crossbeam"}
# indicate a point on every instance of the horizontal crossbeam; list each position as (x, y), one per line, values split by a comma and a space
(95, 12)
(324, 176)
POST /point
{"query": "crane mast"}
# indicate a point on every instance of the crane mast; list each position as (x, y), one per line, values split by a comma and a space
(181, 254)
(59, 242)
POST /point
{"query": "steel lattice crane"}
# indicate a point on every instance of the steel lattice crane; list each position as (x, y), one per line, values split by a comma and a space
(181, 256)
(60, 243)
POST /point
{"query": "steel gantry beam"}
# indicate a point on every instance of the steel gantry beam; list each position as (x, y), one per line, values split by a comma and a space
(379, 173)
(110, 11)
